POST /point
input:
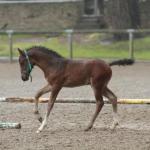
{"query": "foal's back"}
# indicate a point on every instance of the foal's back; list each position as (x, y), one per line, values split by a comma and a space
(81, 72)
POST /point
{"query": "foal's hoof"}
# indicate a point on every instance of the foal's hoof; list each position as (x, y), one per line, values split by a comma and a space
(40, 119)
(38, 131)
(36, 112)
(88, 128)
(114, 125)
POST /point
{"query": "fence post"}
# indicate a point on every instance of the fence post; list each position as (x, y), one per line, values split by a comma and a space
(70, 47)
(131, 43)
(10, 33)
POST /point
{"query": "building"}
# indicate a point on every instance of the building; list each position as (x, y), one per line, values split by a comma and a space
(54, 15)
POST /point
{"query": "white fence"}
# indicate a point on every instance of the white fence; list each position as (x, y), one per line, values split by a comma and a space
(70, 34)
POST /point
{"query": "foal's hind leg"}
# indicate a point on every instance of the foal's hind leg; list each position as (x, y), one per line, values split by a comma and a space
(113, 99)
(99, 105)
(42, 91)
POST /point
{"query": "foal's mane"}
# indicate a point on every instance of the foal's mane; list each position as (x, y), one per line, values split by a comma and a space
(45, 50)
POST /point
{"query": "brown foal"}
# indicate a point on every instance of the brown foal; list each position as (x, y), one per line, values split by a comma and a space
(61, 72)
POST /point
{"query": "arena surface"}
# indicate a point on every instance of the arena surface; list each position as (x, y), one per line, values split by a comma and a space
(65, 129)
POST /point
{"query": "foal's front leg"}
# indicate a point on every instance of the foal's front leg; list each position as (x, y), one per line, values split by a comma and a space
(51, 101)
(42, 91)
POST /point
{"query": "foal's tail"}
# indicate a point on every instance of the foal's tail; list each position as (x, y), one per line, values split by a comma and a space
(122, 62)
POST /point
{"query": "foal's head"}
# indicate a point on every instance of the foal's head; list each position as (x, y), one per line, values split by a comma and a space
(25, 65)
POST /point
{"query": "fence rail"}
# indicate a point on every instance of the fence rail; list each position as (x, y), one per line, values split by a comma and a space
(69, 33)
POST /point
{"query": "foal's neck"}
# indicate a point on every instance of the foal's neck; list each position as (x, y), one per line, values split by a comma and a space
(47, 63)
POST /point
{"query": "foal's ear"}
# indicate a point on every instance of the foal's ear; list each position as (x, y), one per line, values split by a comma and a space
(20, 51)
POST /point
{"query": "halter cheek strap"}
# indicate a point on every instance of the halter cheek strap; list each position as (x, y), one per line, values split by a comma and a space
(30, 66)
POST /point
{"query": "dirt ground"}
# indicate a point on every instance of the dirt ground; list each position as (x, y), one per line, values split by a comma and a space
(65, 129)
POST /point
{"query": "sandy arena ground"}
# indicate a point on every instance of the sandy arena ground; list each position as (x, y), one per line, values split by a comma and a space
(65, 129)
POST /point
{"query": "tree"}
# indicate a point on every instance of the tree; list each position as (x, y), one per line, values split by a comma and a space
(123, 14)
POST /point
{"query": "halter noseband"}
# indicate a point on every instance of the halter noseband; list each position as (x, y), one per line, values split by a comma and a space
(30, 66)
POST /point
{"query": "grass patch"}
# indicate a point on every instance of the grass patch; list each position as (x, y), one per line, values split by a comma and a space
(84, 46)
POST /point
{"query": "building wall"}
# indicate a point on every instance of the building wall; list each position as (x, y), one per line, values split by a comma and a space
(144, 8)
(40, 16)
(51, 15)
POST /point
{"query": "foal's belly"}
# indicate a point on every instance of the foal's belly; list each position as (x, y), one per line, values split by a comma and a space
(80, 73)
(76, 81)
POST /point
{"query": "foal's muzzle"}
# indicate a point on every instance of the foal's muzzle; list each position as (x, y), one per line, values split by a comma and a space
(25, 77)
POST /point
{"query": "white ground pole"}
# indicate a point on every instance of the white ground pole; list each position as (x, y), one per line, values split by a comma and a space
(8, 125)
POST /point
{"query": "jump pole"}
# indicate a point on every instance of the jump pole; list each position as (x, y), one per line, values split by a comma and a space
(72, 100)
